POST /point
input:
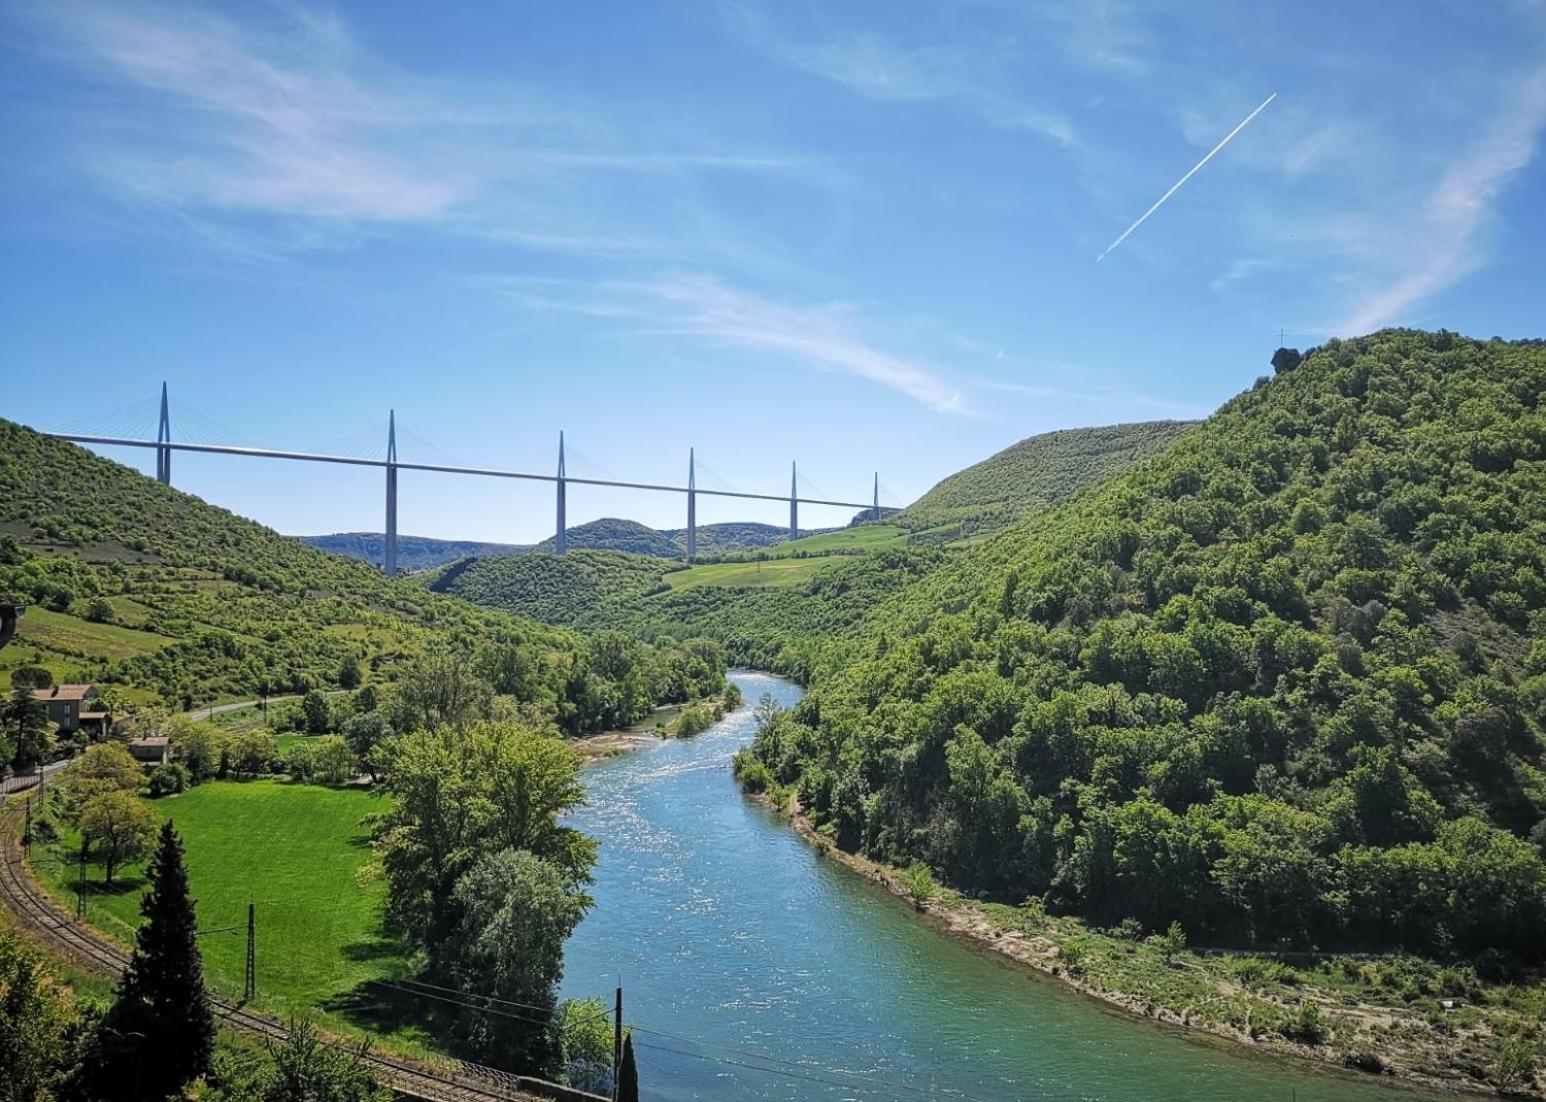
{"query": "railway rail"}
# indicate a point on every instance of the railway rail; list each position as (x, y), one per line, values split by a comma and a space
(38, 913)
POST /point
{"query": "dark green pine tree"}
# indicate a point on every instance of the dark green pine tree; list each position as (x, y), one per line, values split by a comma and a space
(162, 1027)
(628, 1075)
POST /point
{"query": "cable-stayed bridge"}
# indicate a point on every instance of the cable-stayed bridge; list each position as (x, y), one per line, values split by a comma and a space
(115, 434)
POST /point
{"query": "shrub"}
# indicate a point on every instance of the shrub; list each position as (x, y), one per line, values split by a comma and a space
(752, 773)
(919, 882)
(169, 779)
(1306, 1025)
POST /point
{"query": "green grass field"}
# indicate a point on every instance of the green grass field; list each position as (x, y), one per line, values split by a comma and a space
(774, 573)
(58, 631)
(867, 537)
(295, 851)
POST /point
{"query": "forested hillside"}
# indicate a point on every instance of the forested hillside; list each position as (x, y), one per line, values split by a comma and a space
(138, 585)
(1282, 684)
(1032, 474)
(616, 534)
(555, 589)
(413, 552)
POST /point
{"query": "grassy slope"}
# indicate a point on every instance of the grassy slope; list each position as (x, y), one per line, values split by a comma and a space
(1032, 474)
(294, 850)
(217, 603)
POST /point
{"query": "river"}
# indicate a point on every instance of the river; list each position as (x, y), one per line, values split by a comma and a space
(727, 930)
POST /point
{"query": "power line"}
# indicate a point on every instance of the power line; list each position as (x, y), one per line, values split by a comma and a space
(869, 1081)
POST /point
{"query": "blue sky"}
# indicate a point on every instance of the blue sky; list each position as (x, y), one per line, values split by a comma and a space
(862, 235)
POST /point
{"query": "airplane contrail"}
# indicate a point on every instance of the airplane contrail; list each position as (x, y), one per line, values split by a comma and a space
(1177, 185)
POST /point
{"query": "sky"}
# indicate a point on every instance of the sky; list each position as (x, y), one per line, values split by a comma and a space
(860, 236)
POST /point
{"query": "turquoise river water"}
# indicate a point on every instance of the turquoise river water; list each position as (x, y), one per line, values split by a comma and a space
(735, 941)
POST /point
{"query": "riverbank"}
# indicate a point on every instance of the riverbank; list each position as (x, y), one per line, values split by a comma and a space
(1384, 1016)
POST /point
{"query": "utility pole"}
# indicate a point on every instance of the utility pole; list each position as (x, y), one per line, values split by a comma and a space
(80, 890)
(250, 985)
(692, 507)
(794, 502)
(617, 1044)
(26, 830)
(163, 442)
(389, 563)
(561, 539)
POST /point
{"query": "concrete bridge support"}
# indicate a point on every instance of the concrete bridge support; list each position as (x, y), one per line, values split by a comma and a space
(163, 438)
(692, 507)
(561, 540)
(794, 502)
(389, 562)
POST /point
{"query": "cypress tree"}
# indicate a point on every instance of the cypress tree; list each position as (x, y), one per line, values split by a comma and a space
(628, 1075)
(161, 1031)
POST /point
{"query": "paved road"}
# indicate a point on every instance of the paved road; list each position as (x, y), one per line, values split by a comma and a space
(221, 709)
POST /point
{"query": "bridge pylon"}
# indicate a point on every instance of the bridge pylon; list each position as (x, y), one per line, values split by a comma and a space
(794, 501)
(164, 438)
(389, 562)
(692, 507)
(561, 539)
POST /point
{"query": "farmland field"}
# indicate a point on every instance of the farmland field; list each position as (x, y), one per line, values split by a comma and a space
(294, 851)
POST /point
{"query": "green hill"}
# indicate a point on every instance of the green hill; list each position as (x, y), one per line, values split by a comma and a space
(137, 584)
(1284, 684)
(616, 534)
(1032, 474)
(413, 552)
(555, 589)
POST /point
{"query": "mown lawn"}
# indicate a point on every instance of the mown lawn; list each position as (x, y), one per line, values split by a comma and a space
(295, 852)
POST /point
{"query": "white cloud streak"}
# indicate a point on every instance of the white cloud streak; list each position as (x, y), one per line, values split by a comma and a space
(1144, 217)
(705, 309)
(1441, 243)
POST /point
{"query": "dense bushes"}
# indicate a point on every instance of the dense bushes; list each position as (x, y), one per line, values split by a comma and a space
(1278, 684)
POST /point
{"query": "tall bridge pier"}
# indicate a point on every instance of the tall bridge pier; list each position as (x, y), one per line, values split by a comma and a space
(794, 502)
(561, 540)
(389, 561)
(163, 439)
(692, 506)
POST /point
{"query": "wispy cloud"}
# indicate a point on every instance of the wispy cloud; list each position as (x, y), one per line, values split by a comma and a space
(880, 68)
(1439, 246)
(282, 116)
(704, 308)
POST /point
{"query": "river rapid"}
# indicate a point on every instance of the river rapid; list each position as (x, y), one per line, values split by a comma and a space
(736, 942)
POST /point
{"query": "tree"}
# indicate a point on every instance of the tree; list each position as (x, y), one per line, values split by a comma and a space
(31, 677)
(115, 829)
(36, 1024)
(364, 731)
(105, 767)
(307, 1068)
(198, 746)
(439, 690)
(628, 1074)
(24, 725)
(349, 675)
(160, 1033)
(99, 610)
(319, 717)
(585, 1045)
(516, 911)
(459, 795)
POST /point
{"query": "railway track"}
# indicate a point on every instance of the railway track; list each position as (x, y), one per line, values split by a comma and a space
(61, 933)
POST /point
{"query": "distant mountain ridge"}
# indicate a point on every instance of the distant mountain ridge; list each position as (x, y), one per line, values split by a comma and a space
(413, 552)
(605, 534)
